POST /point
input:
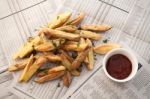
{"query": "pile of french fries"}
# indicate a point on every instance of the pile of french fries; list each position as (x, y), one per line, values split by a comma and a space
(63, 43)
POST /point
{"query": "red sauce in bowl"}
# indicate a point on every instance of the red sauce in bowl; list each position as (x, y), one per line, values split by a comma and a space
(119, 66)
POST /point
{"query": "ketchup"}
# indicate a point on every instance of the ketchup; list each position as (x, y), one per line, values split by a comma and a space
(119, 66)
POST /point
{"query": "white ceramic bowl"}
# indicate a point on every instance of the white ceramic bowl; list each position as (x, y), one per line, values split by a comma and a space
(126, 53)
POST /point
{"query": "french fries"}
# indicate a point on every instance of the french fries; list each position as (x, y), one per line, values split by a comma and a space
(48, 46)
(65, 46)
(66, 62)
(18, 66)
(51, 70)
(67, 79)
(59, 20)
(104, 48)
(60, 34)
(77, 20)
(74, 46)
(80, 58)
(56, 69)
(27, 48)
(25, 71)
(53, 58)
(96, 28)
(67, 56)
(90, 56)
(67, 28)
(51, 76)
(33, 68)
(75, 73)
(90, 35)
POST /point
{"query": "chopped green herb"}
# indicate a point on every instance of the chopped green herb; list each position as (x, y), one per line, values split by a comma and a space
(78, 44)
(64, 30)
(105, 41)
(57, 17)
(74, 55)
(68, 23)
(58, 85)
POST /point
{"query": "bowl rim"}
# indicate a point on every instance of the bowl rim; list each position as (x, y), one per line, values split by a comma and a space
(134, 59)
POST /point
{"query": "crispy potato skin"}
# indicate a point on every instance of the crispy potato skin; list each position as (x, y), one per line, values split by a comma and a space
(67, 79)
(104, 48)
(51, 76)
(59, 20)
(60, 34)
(96, 28)
(80, 58)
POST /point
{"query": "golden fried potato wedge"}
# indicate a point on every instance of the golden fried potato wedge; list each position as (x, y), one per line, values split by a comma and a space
(59, 20)
(77, 20)
(59, 34)
(26, 49)
(67, 78)
(53, 58)
(33, 68)
(50, 70)
(67, 28)
(48, 46)
(90, 56)
(75, 47)
(90, 35)
(42, 73)
(18, 66)
(96, 28)
(80, 58)
(51, 76)
(67, 56)
(75, 73)
(56, 69)
(25, 71)
(65, 62)
(104, 48)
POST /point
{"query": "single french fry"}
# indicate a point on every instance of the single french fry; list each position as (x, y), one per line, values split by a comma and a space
(74, 46)
(26, 49)
(42, 73)
(53, 58)
(90, 64)
(56, 69)
(80, 58)
(90, 35)
(77, 20)
(59, 34)
(96, 28)
(65, 62)
(67, 78)
(26, 69)
(34, 67)
(67, 28)
(104, 48)
(48, 46)
(59, 20)
(51, 76)
(50, 70)
(67, 56)
(18, 66)
(75, 73)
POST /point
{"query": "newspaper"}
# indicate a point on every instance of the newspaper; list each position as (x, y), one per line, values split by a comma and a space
(5, 80)
(25, 19)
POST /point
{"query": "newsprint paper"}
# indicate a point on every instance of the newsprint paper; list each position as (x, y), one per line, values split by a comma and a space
(128, 18)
